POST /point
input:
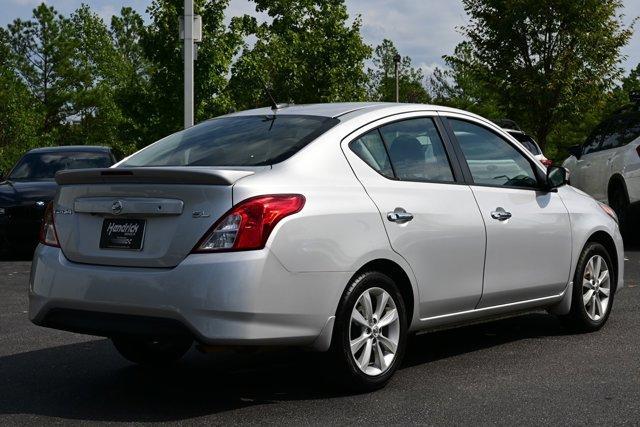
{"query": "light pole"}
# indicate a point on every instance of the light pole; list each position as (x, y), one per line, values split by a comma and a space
(396, 59)
(188, 63)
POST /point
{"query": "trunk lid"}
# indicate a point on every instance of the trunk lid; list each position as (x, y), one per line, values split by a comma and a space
(167, 209)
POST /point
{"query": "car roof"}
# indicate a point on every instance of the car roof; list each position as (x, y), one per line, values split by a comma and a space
(72, 148)
(347, 110)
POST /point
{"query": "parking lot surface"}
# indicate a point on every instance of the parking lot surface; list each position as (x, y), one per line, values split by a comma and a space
(524, 370)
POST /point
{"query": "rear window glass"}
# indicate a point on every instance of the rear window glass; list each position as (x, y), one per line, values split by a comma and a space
(43, 166)
(234, 141)
(528, 142)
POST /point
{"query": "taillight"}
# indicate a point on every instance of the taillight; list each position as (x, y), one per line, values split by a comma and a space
(48, 235)
(547, 162)
(247, 226)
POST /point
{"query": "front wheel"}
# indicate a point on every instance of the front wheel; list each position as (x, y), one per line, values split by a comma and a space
(593, 289)
(152, 351)
(370, 331)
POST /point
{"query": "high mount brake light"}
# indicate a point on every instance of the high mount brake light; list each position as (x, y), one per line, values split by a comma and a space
(48, 234)
(247, 225)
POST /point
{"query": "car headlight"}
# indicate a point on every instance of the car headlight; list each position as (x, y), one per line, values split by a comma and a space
(609, 211)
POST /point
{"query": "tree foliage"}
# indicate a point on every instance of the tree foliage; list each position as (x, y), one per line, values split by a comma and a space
(382, 78)
(306, 53)
(547, 63)
(551, 65)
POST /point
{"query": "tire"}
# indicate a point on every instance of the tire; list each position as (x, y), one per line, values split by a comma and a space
(374, 372)
(150, 351)
(591, 316)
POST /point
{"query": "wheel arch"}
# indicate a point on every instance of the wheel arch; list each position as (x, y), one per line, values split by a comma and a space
(616, 181)
(399, 275)
(602, 237)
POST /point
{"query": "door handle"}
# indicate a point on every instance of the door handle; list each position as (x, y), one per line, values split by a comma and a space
(500, 214)
(399, 216)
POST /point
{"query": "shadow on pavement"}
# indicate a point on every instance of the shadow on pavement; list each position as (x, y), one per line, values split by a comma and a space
(89, 381)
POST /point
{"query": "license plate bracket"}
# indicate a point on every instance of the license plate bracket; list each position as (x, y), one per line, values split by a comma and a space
(122, 233)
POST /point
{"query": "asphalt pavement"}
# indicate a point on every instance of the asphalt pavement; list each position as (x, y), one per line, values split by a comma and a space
(523, 370)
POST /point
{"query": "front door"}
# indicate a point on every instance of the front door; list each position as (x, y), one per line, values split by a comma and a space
(528, 230)
(431, 218)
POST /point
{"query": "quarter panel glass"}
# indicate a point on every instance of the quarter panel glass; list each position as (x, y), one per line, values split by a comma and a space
(370, 148)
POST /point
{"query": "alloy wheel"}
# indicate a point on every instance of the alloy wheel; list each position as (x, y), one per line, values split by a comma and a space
(374, 331)
(596, 288)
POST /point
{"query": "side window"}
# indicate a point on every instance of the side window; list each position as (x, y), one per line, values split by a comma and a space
(370, 148)
(417, 151)
(620, 130)
(491, 159)
(594, 142)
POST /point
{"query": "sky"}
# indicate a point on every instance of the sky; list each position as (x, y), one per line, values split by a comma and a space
(422, 29)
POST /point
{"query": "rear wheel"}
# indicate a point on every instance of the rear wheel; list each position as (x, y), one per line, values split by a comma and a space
(152, 351)
(370, 331)
(593, 289)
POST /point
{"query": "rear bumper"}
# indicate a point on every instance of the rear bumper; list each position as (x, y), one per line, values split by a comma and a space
(243, 298)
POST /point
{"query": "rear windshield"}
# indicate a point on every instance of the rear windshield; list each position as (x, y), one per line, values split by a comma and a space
(528, 142)
(43, 166)
(234, 141)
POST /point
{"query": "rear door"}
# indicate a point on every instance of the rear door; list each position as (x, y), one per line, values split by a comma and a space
(528, 230)
(430, 216)
(589, 167)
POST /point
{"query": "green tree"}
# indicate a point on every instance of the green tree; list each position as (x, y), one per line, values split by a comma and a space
(382, 78)
(307, 52)
(18, 116)
(458, 86)
(42, 50)
(548, 62)
(96, 117)
(131, 88)
(163, 49)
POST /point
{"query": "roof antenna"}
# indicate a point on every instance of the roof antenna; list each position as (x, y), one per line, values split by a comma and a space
(274, 104)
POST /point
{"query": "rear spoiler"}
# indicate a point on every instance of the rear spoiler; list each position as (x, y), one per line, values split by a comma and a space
(152, 175)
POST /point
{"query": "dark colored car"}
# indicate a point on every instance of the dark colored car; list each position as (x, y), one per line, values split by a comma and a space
(30, 185)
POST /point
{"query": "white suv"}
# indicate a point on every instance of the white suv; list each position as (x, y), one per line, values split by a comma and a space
(607, 166)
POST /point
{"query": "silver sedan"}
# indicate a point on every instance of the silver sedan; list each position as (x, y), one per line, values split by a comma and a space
(338, 227)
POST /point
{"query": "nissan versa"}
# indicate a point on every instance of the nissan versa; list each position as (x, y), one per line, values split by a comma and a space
(337, 227)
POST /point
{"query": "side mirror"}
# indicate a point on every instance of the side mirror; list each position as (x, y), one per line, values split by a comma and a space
(575, 151)
(557, 176)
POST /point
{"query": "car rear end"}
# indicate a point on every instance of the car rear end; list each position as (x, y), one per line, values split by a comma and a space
(166, 250)
(531, 145)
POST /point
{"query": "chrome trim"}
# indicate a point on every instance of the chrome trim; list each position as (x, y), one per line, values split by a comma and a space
(497, 307)
(131, 206)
